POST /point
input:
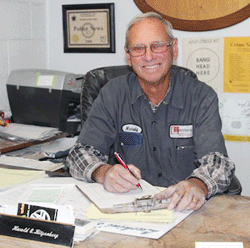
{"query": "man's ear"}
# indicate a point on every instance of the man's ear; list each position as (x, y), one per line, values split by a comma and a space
(128, 56)
(175, 49)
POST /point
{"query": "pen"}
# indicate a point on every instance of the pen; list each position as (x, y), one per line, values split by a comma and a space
(125, 166)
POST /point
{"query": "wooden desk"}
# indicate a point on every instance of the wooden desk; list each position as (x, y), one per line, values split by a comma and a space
(223, 219)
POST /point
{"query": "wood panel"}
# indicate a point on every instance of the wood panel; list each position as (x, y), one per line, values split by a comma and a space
(199, 15)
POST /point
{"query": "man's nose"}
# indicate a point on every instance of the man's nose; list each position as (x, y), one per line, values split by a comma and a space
(148, 53)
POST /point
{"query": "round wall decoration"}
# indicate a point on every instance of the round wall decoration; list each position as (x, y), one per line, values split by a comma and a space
(199, 15)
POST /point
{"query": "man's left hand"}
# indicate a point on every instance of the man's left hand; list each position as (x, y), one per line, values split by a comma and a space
(186, 195)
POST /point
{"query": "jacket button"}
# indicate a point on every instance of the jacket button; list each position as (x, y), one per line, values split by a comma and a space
(160, 175)
(154, 148)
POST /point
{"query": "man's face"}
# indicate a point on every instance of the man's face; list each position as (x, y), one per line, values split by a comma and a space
(151, 68)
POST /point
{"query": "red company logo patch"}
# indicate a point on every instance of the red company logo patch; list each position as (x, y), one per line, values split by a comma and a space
(175, 129)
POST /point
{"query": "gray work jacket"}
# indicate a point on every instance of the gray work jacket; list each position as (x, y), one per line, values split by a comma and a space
(164, 145)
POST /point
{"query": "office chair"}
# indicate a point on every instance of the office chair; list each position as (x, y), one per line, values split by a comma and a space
(95, 79)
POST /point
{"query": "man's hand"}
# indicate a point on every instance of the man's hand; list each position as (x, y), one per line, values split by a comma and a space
(188, 194)
(116, 178)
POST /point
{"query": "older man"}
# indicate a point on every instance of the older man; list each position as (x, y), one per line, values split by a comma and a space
(165, 125)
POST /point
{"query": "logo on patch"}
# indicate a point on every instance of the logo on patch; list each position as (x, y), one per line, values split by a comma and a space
(131, 128)
(181, 131)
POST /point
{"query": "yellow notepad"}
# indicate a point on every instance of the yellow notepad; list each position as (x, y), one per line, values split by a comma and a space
(162, 215)
(12, 177)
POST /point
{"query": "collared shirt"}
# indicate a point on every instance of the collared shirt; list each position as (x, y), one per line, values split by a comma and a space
(181, 140)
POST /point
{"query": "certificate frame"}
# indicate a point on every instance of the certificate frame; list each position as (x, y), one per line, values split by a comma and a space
(89, 28)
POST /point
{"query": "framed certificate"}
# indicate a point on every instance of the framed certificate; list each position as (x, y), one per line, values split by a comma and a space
(89, 28)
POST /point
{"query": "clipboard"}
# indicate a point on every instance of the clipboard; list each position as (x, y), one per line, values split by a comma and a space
(133, 201)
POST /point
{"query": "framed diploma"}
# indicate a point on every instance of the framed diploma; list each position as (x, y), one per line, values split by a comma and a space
(89, 28)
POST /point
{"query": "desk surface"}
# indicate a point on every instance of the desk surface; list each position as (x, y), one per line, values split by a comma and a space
(223, 219)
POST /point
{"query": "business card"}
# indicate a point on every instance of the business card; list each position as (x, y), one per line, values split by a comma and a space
(37, 212)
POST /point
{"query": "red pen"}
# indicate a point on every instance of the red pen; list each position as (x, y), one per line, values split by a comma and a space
(125, 166)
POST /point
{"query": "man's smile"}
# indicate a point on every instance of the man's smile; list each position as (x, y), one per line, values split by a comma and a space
(151, 66)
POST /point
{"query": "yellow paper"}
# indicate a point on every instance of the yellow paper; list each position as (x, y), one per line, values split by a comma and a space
(11, 177)
(237, 64)
(162, 215)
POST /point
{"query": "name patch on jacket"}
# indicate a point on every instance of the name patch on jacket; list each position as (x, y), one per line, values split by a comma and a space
(131, 135)
(181, 131)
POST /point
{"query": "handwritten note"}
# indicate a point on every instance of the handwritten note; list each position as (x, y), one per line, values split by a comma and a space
(154, 232)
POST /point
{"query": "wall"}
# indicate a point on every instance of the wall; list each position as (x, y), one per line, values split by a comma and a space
(22, 39)
(124, 12)
(81, 63)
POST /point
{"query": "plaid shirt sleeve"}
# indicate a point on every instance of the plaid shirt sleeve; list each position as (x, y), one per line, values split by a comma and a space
(83, 160)
(216, 171)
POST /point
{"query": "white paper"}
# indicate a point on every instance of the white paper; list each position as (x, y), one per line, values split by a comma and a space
(105, 199)
(144, 229)
(45, 81)
(49, 193)
(27, 163)
(235, 113)
(27, 132)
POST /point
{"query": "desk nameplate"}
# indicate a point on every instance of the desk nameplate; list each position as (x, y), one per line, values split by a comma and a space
(37, 230)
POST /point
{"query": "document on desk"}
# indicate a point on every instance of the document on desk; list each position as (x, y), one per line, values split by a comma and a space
(26, 163)
(12, 177)
(16, 131)
(35, 192)
(105, 200)
(130, 226)
(142, 229)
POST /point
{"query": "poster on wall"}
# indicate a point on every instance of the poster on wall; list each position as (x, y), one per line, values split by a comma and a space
(224, 64)
(204, 56)
(237, 64)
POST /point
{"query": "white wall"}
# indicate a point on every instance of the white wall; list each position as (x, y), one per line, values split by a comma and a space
(82, 62)
(125, 10)
(22, 39)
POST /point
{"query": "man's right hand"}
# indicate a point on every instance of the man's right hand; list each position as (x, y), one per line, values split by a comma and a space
(116, 178)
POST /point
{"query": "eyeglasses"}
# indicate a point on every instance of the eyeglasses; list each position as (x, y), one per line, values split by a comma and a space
(158, 47)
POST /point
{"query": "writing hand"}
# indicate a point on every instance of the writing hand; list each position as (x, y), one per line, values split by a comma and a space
(116, 178)
(188, 194)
